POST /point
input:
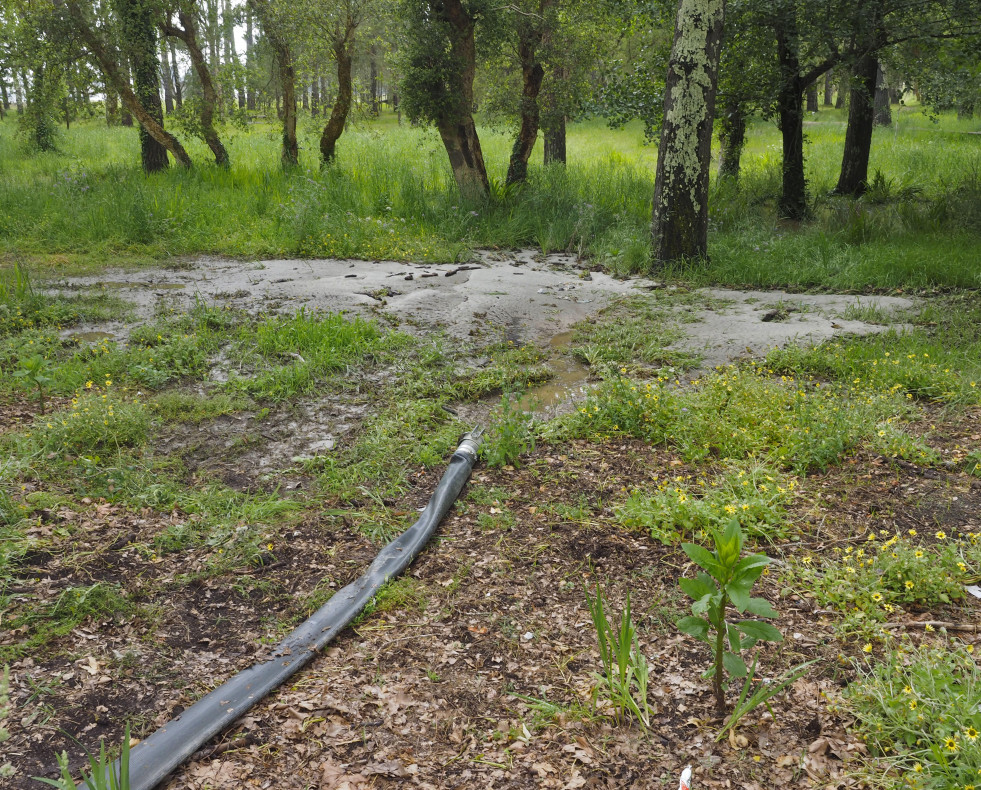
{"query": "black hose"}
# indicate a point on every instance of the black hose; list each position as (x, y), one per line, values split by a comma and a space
(154, 758)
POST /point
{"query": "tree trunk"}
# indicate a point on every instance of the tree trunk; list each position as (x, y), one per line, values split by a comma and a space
(149, 122)
(20, 91)
(213, 34)
(812, 97)
(373, 80)
(112, 104)
(828, 90)
(554, 149)
(287, 75)
(532, 74)
(315, 97)
(168, 78)
(249, 44)
(455, 121)
(343, 44)
(4, 99)
(140, 37)
(732, 137)
(853, 178)
(209, 96)
(178, 88)
(305, 96)
(883, 111)
(790, 106)
(844, 79)
(679, 226)
(231, 55)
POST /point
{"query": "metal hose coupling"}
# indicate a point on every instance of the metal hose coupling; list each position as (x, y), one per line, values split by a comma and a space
(470, 443)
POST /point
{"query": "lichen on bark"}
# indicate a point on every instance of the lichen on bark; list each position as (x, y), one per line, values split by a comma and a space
(680, 210)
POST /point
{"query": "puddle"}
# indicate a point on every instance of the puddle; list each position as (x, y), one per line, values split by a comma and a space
(91, 337)
(570, 379)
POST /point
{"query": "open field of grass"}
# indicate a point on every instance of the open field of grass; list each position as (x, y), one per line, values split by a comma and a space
(391, 196)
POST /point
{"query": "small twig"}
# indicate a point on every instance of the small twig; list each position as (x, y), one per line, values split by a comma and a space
(968, 627)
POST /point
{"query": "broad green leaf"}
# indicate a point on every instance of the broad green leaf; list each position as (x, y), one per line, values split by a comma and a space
(761, 608)
(735, 641)
(762, 632)
(738, 592)
(703, 558)
(698, 587)
(697, 627)
(734, 665)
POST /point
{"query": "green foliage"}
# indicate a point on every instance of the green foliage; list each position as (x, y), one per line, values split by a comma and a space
(741, 412)
(99, 420)
(869, 583)
(292, 353)
(755, 494)
(102, 771)
(374, 467)
(510, 436)
(726, 579)
(625, 671)
(637, 330)
(919, 711)
(36, 370)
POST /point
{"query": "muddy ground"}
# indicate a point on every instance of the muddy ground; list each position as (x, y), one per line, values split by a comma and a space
(479, 671)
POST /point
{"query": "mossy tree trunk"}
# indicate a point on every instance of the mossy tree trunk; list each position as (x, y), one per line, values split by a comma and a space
(139, 28)
(732, 139)
(283, 57)
(532, 75)
(455, 120)
(853, 178)
(790, 106)
(150, 121)
(209, 95)
(882, 107)
(343, 46)
(679, 226)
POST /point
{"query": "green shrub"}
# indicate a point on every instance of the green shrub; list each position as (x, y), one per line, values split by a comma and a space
(919, 711)
(755, 494)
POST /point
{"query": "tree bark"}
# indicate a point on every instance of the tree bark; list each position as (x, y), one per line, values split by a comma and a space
(843, 80)
(679, 226)
(315, 97)
(853, 179)
(828, 90)
(140, 38)
(554, 151)
(168, 79)
(249, 44)
(112, 105)
(455, 121)
(790, 106)
(4, 99)
(149, 122)
(732, 137)
(812, 97)
(342, 45)
(209, 96)
(532, 75)
(373, 80)
(883, 111)
(178, 88)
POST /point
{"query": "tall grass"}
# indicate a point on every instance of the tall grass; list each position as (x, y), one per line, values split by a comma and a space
(391, 195)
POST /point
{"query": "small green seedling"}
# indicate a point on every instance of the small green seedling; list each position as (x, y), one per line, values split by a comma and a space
(624, 665)
(35, 369)
(726, 579)
(104, 775)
